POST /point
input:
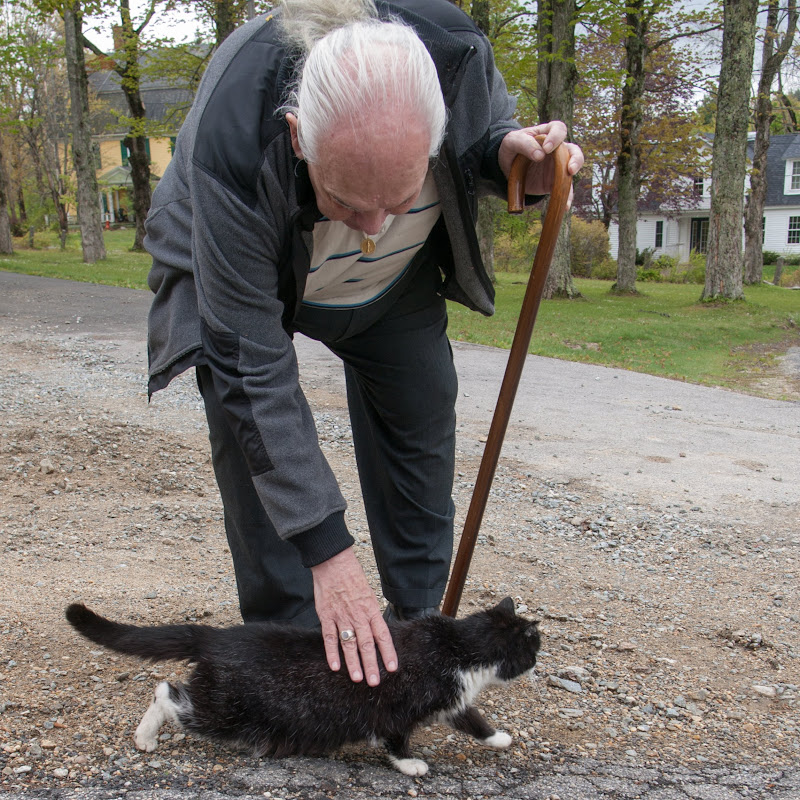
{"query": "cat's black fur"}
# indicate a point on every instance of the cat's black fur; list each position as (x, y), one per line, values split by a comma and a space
(269, 687)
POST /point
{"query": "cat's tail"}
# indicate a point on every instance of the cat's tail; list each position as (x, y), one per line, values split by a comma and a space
(157, 643)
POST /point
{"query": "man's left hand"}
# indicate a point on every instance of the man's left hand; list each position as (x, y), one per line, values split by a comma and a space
(539, 179)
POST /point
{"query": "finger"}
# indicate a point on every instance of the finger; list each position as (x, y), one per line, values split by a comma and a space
(352, 660)
(554, 132)
(330, 638)
(383, 638)
(575, 158)
(369, 658)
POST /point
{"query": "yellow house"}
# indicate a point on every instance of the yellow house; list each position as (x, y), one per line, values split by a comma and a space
(114, 175)
(163, 103)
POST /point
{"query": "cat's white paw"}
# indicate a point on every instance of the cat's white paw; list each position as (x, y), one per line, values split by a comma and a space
(415, 767)
(145, 740)
(499, 740)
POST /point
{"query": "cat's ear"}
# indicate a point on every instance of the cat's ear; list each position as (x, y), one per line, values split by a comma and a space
(507, 605)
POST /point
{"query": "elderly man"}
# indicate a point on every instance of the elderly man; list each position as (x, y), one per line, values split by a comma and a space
(325, 182)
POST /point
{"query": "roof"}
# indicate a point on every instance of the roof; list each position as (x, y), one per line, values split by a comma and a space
(119, 177)
(781, 148)
(160, 96)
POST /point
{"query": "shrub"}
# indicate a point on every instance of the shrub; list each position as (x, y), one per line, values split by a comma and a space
(589, 246)
(769, 256)
(644, 257)
(695, 270)
(666, 263)
(606, 270)
(649, 275)
(792, 261)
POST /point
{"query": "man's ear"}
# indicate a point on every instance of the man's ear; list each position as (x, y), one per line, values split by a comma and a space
(291, 120)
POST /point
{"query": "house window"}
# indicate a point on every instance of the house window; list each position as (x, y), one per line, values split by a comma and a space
(698, 235)
(126, 155)
(659, 234)
(794, 230)
(795, 175)
(698, 187)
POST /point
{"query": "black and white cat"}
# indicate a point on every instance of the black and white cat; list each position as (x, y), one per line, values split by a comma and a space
(268, 687)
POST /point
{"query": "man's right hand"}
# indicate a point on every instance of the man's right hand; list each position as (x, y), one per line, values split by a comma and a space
(345, 602)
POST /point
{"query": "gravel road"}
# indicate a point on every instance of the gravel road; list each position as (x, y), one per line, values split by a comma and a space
(652, 526)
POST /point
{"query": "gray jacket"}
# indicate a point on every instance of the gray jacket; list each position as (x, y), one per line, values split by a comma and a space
(229, 231)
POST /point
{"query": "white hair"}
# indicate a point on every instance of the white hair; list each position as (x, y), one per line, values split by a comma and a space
(355, 64)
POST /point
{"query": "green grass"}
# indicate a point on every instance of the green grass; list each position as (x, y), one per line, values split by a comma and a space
(664, 330)
(120, 268)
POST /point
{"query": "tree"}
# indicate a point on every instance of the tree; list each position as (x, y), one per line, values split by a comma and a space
(771, 59)
(724, 257)
(555, 85)
(126, 62)
(506, 24)
(668, 143)
(89, 217)
(649, 25)
(6, 241)
(41, 95)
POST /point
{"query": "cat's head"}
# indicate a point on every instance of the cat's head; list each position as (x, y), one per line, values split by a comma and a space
(514, 640)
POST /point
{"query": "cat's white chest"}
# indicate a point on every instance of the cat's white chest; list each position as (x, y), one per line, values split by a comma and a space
(474, 681)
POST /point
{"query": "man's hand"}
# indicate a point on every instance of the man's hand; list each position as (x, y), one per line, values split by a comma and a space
(539, 179)
(345, 602)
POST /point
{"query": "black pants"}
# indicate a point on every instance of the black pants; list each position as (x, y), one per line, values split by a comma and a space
(401, 393)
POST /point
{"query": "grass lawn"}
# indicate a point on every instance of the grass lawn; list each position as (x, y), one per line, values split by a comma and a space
(121, 267)
(664, 330)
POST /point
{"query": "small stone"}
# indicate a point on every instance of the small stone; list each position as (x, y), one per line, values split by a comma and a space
(60, 772)
(563, 683)
(765, 691)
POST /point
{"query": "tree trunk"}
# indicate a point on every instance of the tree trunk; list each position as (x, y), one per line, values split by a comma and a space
(628, 180)
(6, 241)
(224, 20)
(136, 140)
(771, 60)
(555, 89)
(140, 178)
(729, 154)
(89, 217)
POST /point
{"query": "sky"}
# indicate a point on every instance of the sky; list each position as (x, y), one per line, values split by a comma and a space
(181, 26)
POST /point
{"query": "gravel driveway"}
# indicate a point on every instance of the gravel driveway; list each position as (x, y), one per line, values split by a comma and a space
(652, 526)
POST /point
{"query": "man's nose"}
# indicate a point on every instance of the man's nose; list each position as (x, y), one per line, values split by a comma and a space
(371, 222)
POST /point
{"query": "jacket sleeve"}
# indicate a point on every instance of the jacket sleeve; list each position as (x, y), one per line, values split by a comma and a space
(236, 251)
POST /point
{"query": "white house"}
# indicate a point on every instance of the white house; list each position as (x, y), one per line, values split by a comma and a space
(677, 234)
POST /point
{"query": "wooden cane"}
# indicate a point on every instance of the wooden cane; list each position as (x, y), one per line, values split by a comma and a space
(556, 209)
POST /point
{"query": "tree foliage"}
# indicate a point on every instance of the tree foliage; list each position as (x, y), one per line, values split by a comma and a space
(668, 146)
(775, 48)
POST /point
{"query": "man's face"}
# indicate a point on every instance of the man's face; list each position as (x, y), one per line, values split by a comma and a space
(367, 172)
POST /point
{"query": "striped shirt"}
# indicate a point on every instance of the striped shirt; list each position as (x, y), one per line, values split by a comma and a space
(341, 276)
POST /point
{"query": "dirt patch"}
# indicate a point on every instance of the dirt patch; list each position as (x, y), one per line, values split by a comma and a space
(770, 370)
(671, 633)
